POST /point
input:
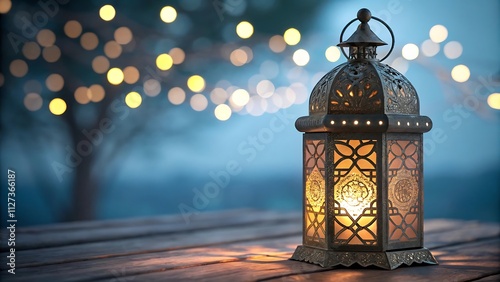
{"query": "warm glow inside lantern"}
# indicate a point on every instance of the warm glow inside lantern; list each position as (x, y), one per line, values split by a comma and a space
(363, 167)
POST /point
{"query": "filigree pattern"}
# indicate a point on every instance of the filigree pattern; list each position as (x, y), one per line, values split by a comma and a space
(355, 190)
(362, 52)
(314, 165)
(356, 89)
(400, 95)
(403, 205)
(319, 96)
(386, 260)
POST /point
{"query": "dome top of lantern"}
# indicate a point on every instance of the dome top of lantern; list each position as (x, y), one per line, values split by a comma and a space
(362, 88)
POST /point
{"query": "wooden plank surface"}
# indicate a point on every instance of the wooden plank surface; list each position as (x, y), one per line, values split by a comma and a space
(243, 245)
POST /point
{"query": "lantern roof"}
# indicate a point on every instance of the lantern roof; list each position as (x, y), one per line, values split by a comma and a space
(363, 36)
(364, 94)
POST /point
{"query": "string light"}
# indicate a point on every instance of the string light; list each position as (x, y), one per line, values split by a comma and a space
(460, 73)
(133, 100)
(244, 29)
(176, 96)
(198, 102)
(291, 36)
(57, 106)
(107, 12)
(301, 57)
(73, 29)
(46, 37)
(438, 33)
(494, 101)
(332, 53)
(410, 51)
(33, 101)
(115, 76)
(222, 112)
(31, 50)
(123, 35)
(277, 44)
(168, 14)
(164, 62)
(196, 83)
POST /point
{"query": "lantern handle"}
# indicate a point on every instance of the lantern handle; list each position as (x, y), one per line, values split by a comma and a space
(380, 21)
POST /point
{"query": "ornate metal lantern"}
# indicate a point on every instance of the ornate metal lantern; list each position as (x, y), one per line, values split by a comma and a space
(363, 162)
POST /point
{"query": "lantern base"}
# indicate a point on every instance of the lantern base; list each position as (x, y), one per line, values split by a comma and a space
(387, 260)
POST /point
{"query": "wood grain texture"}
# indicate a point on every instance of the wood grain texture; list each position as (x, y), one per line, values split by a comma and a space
(243, 245)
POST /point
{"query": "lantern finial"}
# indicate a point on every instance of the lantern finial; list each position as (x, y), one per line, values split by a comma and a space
(363, 42)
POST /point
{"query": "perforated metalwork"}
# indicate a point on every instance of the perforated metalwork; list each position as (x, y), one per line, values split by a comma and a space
(319, 96)
(403, 177)
(356, 89)
(314, 165)
(355, 190)
(400, 95)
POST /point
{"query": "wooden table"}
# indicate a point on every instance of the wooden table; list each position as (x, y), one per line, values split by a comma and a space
(242, 245)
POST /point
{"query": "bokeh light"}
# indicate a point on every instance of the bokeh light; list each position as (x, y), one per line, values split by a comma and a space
(291, 36)
(115, 76)
(177, 55)
(238, 57)
(54, 82)
(46, 37)
(18, 68)
(100, 64)
(133, 100)
(265, 88)
(107, 12)
(81, 95)
(494, 101)
(400, 65)
(332, 53)
(196, 83)
(5, 6)
(112, 49)
(2, 79)
(164, 62)
(57, 106)
(96, 93)
(31, 50)
(301, 57)
(240, 97)
(152, 87)
(198, 102)
(438, 33)
(218, 95)
(168, 14)
(429, 48)
(123, 35)
(51, 54)
(89, 41)
(131, 75)
(460, 73)
(453, 50)
(73, 29)
(277, 44)
(244, 29)
(410, 51)
(222, 112)
(176, 96)
(33, 101)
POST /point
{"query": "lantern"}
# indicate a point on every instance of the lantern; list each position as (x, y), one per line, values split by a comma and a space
(363, 162)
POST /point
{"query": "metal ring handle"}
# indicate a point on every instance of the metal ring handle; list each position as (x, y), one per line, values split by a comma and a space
(380, 21)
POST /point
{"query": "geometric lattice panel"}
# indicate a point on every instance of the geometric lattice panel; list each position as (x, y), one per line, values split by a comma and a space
(403, 205)
(314, 165)
(355, 192)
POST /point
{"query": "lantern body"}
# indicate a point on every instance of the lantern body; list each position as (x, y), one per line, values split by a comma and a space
(363, 166)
